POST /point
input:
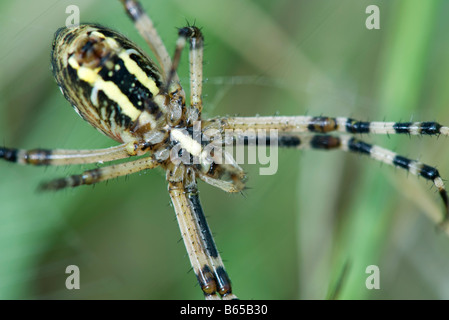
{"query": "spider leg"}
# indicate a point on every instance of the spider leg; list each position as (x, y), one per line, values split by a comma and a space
(194, 36)
(100, 174)
(350, 144)
(147, 30)
(416, 168)
(228, 186)
(58, 157)
(203, 254)
(304, 124)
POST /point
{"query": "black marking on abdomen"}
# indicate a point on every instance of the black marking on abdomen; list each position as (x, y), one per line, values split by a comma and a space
(153, 108)
(84, 88)
(120, 118)
(68, 37)
(146, 66)
(127, 82)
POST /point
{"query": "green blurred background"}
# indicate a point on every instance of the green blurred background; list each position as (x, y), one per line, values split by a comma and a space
(292, 234)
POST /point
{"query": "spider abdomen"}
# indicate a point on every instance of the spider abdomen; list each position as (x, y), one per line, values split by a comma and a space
(110, 82)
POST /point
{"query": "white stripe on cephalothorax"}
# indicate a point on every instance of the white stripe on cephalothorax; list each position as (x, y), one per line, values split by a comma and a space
(190, 145)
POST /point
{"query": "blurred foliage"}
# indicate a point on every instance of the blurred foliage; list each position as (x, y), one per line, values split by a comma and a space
(293, 233)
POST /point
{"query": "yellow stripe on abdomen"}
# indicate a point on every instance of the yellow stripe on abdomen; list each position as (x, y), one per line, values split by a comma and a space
(137, 71)
(109, 88)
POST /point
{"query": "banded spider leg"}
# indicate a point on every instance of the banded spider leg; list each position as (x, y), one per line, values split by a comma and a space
(303, 132)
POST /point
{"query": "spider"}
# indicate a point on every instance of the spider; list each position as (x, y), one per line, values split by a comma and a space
(159, 123)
